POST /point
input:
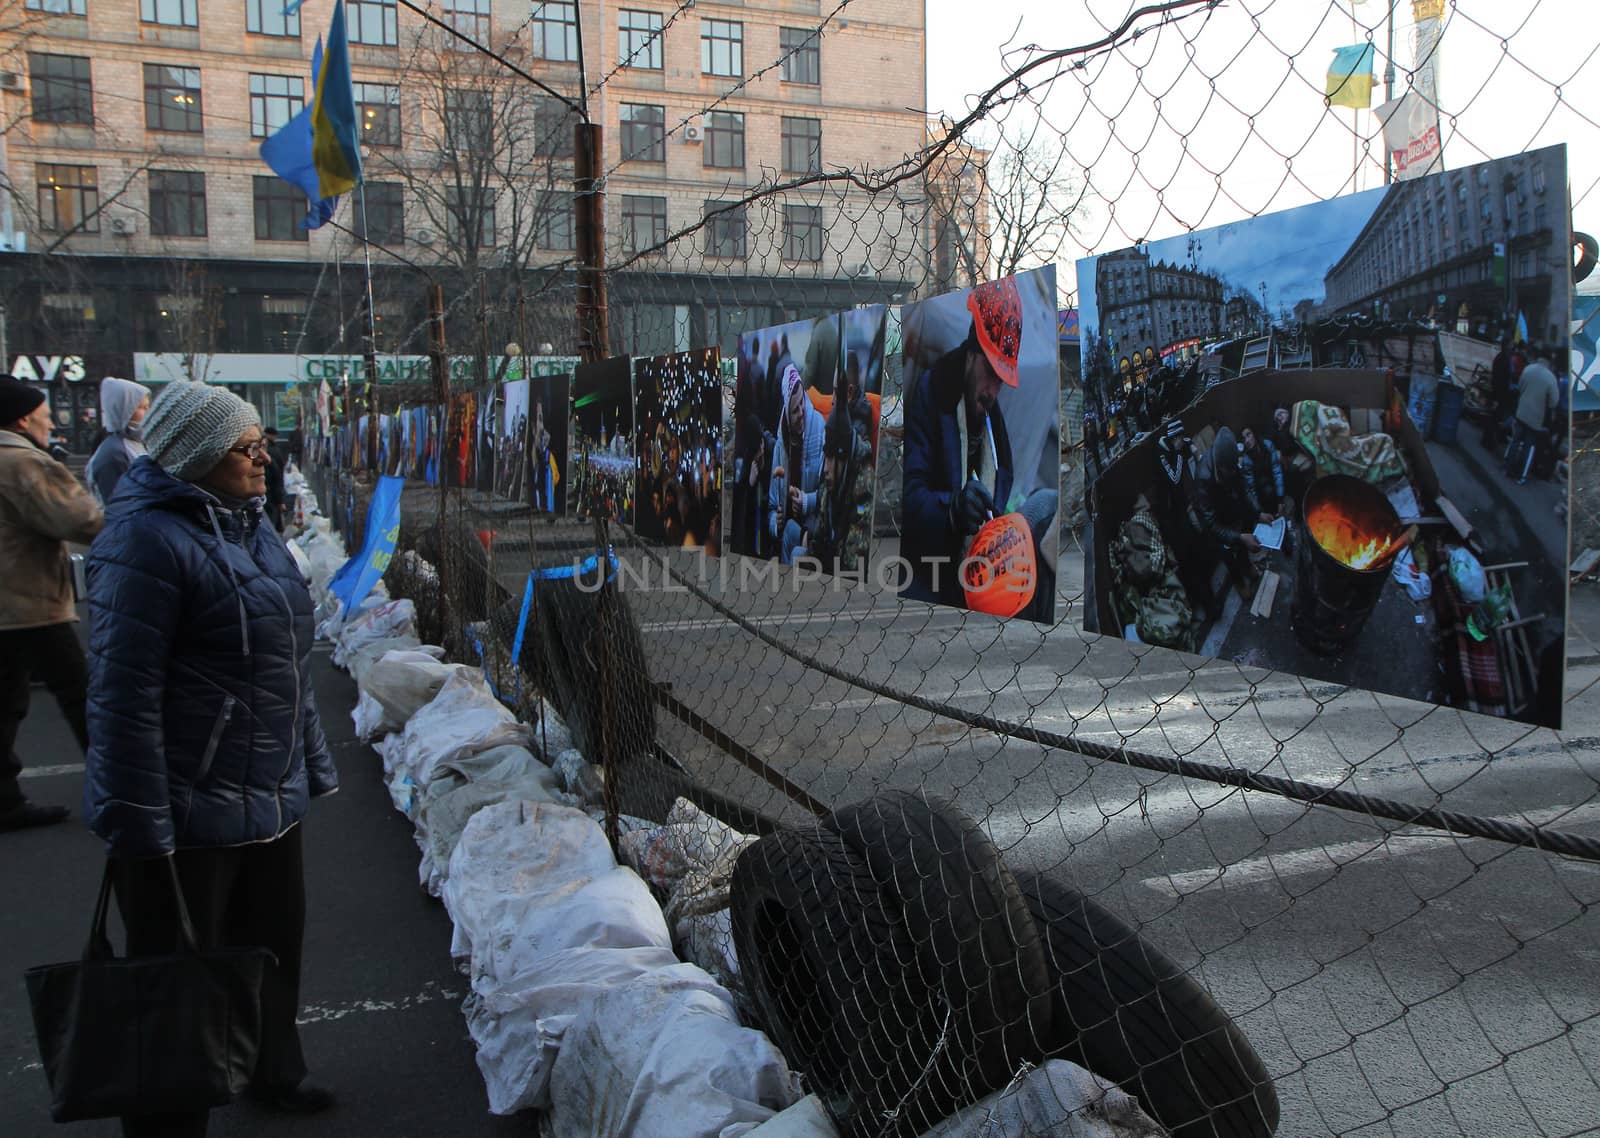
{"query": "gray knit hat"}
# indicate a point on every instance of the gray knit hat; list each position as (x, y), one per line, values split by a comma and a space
(191, 426)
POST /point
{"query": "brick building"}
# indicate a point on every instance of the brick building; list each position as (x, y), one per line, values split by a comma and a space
(142, 220)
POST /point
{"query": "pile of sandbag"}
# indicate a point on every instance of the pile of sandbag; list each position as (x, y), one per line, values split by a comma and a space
(579, 1005)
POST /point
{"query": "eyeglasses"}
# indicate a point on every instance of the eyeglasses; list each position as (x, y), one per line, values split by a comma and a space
(255, 451)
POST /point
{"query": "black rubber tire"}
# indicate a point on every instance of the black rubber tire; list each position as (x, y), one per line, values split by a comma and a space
(976, 944)
(1127, 1012)
(822, 961)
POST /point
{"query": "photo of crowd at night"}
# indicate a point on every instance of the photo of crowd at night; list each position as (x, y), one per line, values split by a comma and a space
(603, 482)
(678, 425)
(1332, 441)
(803, 468)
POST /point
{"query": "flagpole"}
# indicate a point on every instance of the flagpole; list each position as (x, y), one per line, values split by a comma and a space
(372, 334)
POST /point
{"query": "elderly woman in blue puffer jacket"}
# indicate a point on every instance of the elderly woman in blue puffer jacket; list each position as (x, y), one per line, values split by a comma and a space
(204, 742)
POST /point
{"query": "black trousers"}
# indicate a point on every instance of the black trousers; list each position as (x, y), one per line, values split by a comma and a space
(53, 654)
(238, 896)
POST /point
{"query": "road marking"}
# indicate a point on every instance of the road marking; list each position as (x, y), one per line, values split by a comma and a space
(322, 1013)
(51, 772)
(1400, 843)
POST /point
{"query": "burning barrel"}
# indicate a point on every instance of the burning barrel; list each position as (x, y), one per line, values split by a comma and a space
(1353, 534)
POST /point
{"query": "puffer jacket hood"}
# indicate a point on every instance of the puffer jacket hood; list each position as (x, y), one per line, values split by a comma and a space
(202, 725)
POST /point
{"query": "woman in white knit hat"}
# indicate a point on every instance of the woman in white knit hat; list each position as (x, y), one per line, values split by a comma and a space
(204, 741)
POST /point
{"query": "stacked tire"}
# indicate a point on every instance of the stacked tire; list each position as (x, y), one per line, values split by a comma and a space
(906, 972)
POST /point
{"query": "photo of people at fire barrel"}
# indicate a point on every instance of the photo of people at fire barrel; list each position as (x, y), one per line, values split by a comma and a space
(603, 481)
(1333, 441)
(678, 424)
(982, 447)
(803, 467)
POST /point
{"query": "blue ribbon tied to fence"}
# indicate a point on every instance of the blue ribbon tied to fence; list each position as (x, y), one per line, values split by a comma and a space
(357, 576)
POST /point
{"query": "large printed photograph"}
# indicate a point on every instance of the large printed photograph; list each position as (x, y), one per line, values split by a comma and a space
(603, 481)
(803, 465)
(531, 454)
(678, 420)
(1332, 441)
(982, 451)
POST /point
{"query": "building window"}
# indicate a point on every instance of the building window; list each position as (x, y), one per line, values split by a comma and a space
(644, 222)
(280, 208)
(802, 146)
(470, 18)
(724, 230)
(282, 320)
(644, 133)
(172, 13)
(802, 55)
(1541, 217)
(721, 47)
(274, 100)
(177, 203)
(69, 198)
(62, 89)
(378, 112)
(172, 99)
(553, 121)
(639, 39)
(469, 216)
(556, 228)
(372, 22)
(802, 233)
(555, 31)
(380, 213)
(59, 7)
(468, 121)
(724, 147)
(267, 18)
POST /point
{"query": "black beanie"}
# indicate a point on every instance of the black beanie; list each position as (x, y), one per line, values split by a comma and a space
(17, 399)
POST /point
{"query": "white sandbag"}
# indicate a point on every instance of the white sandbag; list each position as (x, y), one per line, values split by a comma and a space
(499, 765)
(547, 921)
(518, 1029)
(665, 1057)
(550, 733)
(805, 1119)
(360, 662)
(371, 720)
(706, 939)
(1060, 1099)
(690, 839)
(377, 622)
(446, 806)
(404, 680)
(578, 776)
(462, 719)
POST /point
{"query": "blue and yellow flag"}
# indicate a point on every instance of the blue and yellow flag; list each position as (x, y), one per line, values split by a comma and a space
(1350, 76)
(335, 137)
(288, 152)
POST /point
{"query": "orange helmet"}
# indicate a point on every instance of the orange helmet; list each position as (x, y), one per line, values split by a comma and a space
(996, 308)
(1000, 574)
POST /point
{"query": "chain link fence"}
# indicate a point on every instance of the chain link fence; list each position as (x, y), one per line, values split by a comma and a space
(1256, 902)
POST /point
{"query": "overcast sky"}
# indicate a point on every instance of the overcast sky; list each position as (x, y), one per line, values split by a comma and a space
(1155, 173)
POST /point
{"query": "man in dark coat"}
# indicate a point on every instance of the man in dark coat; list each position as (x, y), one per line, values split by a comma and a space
(275, 494)
(958, 465)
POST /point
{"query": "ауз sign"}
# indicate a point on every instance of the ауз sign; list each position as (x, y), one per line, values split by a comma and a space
(48, 369)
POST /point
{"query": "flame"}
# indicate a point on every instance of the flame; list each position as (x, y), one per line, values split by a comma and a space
(1346, 539)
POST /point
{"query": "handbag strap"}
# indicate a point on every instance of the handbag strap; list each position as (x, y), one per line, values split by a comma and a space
(99, 946)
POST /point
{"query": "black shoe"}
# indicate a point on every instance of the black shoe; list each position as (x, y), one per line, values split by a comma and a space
(27, 815)
(307, 1098)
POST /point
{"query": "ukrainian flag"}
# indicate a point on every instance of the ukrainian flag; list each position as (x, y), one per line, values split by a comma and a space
(1350, 76)
(335, 146)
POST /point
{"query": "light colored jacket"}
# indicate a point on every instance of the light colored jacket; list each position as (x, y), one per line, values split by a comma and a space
(1540, 395)
(42, 507)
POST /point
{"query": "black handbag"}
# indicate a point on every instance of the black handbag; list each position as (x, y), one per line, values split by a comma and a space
(147, 1034)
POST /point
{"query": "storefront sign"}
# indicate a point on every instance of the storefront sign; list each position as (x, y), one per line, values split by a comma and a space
(164, 367)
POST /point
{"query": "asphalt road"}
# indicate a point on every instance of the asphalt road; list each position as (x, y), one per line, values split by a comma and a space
(380, 1015)
(1397, 981)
